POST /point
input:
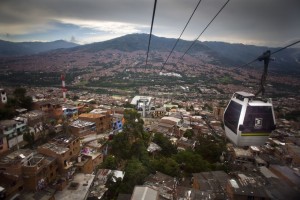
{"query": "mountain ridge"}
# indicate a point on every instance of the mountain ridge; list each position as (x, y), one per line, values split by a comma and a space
(11, 49)
(219, 53)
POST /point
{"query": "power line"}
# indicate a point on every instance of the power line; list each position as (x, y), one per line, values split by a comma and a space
(154, 8)
(204, 30)
(180, 35)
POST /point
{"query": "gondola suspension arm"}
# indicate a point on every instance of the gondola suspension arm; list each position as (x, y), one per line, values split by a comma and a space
(266, 56)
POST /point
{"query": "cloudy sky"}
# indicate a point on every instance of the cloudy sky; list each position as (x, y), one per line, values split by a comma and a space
(259, 22)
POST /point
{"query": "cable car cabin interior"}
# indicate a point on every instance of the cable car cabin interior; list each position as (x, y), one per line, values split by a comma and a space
(248, 121)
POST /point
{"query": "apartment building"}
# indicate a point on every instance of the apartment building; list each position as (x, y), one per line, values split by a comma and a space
(11, 134)
(81, 128)
(51, 108)
(39, 171)
(103, 122)
(65, 148)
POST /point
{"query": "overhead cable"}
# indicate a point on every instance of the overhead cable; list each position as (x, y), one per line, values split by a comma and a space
(281, 49)
(180, 35)
(154, 8)
(204, 29)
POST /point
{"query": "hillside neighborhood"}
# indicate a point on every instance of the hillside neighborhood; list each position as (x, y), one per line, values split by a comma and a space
(118, 147)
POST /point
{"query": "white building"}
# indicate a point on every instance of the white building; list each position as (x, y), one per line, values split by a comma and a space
(143, 104)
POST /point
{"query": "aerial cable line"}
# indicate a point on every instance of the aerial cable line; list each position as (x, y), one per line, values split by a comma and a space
(180, 35)
(204, 30)
(266, 57)
(281, 49)
(285, 47)
(154, 8)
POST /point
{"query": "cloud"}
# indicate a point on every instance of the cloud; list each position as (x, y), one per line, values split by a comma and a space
(105, 26)
(259, 22)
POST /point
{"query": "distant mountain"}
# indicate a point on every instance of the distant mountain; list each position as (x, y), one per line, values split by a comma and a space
(28, 48)
(287, 60)
(136, 42)
(219, 53)
(225, 54)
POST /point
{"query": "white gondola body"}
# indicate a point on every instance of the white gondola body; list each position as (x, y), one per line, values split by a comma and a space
(247, 121)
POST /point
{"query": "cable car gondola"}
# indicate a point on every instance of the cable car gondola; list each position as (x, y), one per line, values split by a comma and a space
(248, 121)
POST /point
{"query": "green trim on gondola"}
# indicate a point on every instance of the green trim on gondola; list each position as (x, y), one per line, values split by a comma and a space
(255, 134)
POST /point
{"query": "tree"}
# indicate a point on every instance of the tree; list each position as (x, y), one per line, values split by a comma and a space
(26, 102)
(113, 184)
(191, 162)
(19, 93)
(210, 149)
(21, 100)
(121, 146)
(165, 165)
(188, 133)
(135, 174)
(133, 126)
(75, 98)
(128, 105)
(139, 151)
(110, 162)
(167, 147)
(6, 113)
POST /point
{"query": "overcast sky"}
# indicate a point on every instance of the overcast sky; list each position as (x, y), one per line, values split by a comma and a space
(259, 22)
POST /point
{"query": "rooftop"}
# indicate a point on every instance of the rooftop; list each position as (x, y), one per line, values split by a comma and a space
(144, 193)
(211, 184)
(162, 183)
(64, 139)
(44, 194)
(16, 156)
(242, 152)
(136, 99)
(83, 182)
(266, 172)
(290, 175)
(98, 111)
(33, 114)
(91, 115)
(153, 147)
(7, 123)
(54, 147)
(174, 119)
(90, 152)
(248, 184)
(81, 123)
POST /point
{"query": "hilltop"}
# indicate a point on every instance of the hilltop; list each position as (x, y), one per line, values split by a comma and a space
(132, 49)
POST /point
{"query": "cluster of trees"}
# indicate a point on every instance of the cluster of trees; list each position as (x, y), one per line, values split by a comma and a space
(18, 100)
(129, 153)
